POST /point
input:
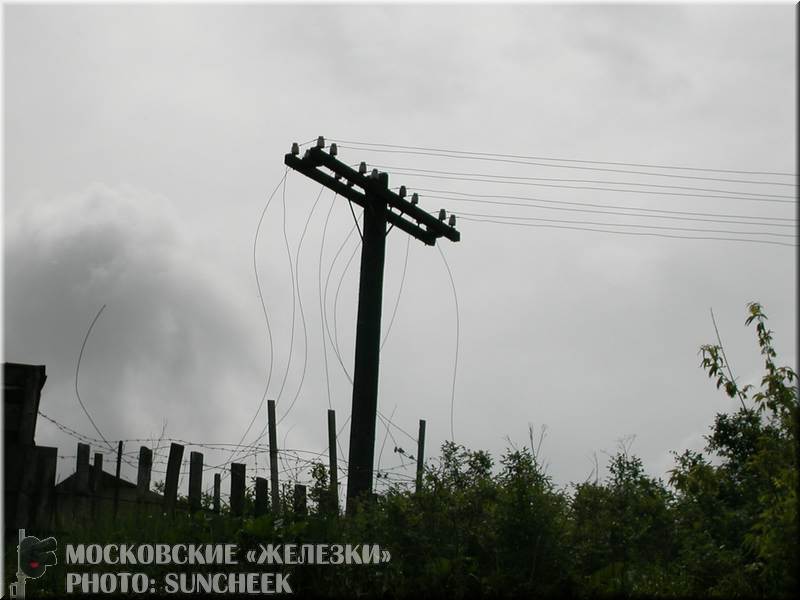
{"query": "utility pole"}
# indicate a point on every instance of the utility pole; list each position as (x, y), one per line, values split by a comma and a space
(381, 207)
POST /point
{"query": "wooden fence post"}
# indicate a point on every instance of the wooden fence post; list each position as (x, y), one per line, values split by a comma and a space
(44, 507)
(171, 482)
(299, 499)
(261, 496)
(273, 456)
(420, 454)
(195, 480)
(95, 482)
(217, 486)
(143, 474)
(117, 480)
(333, 467)
(81, 480)
(237, 489)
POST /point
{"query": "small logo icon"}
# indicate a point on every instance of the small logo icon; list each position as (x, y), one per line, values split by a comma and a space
(33, 558)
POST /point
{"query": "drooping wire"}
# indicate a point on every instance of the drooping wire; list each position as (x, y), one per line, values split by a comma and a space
(325, 300)
(458, 341)
(77, 372)
(263, 307)
(300, 304)
(336, 300)
(294, 300)
(321, 310)
(399, 293)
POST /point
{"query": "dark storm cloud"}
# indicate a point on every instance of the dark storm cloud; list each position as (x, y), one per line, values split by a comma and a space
(171, 343)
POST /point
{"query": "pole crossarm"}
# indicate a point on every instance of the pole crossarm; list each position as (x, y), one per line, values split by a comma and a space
(377, 187)
(382, 207)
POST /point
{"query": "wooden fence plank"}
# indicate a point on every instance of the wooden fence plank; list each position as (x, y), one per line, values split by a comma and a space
(143, 474)
(195, 480)
(261, 496)
(171, 483)
(237, 489)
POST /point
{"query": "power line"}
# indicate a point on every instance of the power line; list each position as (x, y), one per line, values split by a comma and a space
(294, 300)
(640, 233)
(600, 181)
(77, 371)
(263, 307)
(517, 218)
(458, 332)
(495, 156)
(599, 189)
(300, 303)
(658, 213)
(399, 293)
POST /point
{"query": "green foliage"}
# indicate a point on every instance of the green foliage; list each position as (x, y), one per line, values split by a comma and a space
(725, 524)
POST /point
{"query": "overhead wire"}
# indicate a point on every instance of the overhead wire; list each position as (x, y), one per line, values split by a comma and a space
(77, 372)
(639, 233)
(505, 181)
(572, 180)
(519, 218)
(263, 306)
(300, 304)
(458, 341)
(502, 158)
(649, 212)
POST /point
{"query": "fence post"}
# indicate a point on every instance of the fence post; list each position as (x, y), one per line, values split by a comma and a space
(217, 486)
(420, 454)
(81, 480)
(95, 481)
(273, 456)
(332, 461)
(195, 480)
(299, 499)
(143, 474)
(237, 489)
(117, 480)
(261, 496)
(171, 482)
(46, 459)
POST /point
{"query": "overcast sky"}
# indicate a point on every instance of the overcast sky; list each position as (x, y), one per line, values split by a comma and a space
(142, 143)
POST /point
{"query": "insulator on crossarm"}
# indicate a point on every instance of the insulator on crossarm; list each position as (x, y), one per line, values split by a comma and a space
(374, 174)
(442, 214)
(452, 221)
(320, 142)
(295, 149)
(415, 198)
(334, 150)
(362, 168)
(402, 192)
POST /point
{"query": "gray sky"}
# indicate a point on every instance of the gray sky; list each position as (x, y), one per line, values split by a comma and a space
(142, 142)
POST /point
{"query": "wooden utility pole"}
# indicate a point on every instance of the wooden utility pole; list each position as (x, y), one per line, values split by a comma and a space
(382, 207)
